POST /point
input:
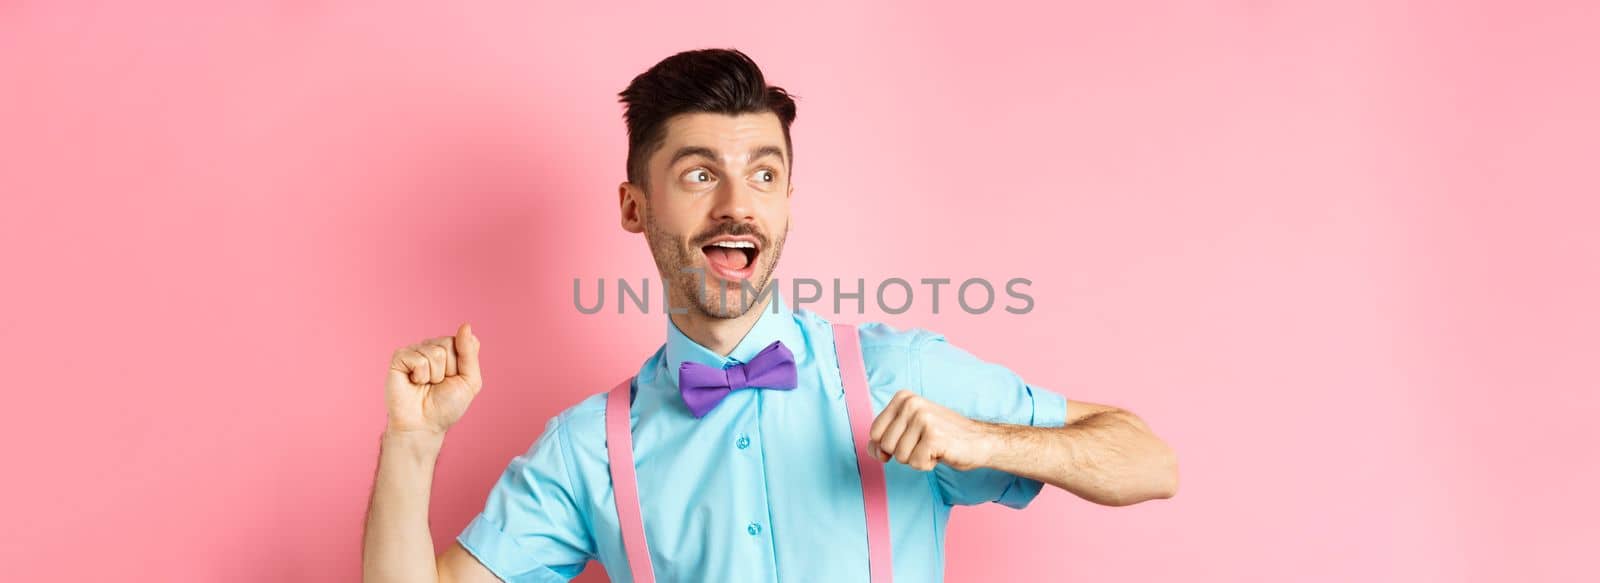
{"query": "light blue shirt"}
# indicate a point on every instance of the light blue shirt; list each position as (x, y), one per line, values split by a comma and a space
(764, 487)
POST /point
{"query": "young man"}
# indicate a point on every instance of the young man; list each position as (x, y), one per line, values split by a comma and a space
(741, 485)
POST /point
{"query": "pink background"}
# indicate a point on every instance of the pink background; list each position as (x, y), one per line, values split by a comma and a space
(1343, 257)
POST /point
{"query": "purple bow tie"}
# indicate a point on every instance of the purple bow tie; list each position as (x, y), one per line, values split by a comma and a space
(704, 386)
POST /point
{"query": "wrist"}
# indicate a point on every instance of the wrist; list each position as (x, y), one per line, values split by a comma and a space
(991, 443)
(422, 443)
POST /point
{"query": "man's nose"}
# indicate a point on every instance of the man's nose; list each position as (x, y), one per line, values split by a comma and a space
(735, 202)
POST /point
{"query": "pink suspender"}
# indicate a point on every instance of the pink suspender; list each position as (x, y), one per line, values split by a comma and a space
(625, 485)
(874, 488)
(858, 402)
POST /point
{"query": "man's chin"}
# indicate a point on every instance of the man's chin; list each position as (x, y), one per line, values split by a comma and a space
(731, 301)
(726, 307)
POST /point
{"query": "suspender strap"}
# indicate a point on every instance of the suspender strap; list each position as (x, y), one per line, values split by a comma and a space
(874, 487)
(624, 484)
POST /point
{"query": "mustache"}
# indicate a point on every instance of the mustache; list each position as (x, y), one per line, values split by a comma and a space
(729, 229)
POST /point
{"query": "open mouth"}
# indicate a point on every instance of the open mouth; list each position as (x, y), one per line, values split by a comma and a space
(732, 259)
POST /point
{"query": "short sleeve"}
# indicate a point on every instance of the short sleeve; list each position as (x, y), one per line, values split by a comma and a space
(532, 529)
(984, 391)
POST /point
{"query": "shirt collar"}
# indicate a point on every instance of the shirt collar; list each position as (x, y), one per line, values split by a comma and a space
(772, 325)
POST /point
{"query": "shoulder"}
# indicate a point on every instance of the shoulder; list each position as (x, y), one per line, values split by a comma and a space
(582, 427)
(893, 355)
(874, 335)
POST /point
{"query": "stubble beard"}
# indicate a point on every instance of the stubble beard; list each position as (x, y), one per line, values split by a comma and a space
(675, 259)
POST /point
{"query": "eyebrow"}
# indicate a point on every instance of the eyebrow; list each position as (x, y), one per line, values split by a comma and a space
(703, 152)
(688, 151)
(765, 151)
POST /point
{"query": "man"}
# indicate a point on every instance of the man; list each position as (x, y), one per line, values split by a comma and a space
(761, 484)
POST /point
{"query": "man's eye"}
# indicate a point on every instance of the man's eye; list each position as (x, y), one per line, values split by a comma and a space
(698, 176)
(766, 176)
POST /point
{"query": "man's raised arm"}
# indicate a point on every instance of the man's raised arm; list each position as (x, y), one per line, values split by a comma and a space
(429, 386)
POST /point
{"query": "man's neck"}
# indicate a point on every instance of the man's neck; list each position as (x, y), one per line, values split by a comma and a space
(719, 335)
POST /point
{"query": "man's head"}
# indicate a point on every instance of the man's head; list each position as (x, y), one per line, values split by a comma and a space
(708, 176)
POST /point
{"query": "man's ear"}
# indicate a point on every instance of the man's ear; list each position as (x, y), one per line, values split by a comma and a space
(631, 199)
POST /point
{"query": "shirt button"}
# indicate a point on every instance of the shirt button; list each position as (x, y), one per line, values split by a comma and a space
(743, 442)
(753, 529)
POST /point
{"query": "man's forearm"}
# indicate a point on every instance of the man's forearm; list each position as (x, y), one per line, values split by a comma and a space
(1108, 458)
(398, 546)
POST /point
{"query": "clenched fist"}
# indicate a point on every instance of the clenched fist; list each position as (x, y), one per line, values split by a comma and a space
(432, 382)
(921, 433)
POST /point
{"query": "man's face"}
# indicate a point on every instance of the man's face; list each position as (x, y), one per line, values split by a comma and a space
(717, 211)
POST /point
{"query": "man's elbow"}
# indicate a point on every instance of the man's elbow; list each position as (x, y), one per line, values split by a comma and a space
(1160, 483)
(1161, 465)
(1168, 473)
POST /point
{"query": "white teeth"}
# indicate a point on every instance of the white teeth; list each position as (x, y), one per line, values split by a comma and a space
(735, 244)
